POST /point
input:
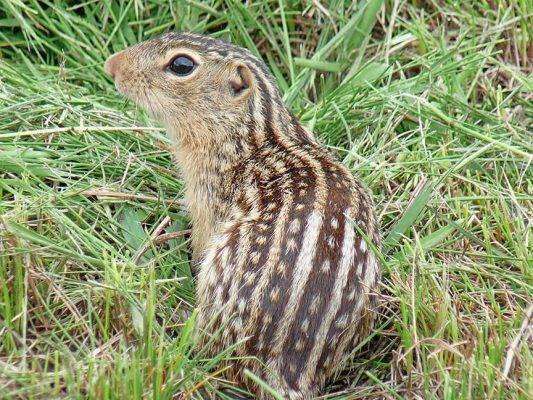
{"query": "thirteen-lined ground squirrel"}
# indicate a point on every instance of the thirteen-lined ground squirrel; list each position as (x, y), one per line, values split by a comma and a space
(281, 229)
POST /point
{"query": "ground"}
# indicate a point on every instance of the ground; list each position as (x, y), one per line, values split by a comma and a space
(428, 102)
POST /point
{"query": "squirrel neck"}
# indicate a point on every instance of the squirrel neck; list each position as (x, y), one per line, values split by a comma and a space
(211, 149)
(208, 158)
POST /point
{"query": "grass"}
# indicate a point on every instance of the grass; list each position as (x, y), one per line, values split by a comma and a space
(428, 102)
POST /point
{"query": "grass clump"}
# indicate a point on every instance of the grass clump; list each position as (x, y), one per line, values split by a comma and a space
(429, 103)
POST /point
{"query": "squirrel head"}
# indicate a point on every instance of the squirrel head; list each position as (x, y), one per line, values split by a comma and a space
(193, 84)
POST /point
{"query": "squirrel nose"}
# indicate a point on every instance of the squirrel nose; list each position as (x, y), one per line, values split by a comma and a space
(112, 64)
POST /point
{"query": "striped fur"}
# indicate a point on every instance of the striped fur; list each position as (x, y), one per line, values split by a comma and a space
(282, 267)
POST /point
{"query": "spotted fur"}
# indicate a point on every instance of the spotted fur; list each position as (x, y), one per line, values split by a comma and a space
(282, 267)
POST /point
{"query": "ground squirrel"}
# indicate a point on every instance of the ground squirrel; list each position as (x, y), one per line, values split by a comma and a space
(282, 232)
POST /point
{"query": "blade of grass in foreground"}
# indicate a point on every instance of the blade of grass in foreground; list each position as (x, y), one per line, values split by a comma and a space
(249, 374)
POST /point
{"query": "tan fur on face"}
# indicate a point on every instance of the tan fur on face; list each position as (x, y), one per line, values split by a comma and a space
(203, 98)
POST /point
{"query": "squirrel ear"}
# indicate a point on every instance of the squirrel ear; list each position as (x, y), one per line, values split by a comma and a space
(241, 80)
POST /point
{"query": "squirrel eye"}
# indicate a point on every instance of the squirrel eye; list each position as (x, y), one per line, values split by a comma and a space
(182, 65)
